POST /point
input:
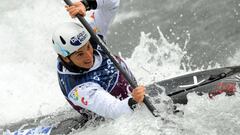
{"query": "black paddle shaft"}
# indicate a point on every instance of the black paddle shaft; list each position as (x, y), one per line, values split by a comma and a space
(146, 100)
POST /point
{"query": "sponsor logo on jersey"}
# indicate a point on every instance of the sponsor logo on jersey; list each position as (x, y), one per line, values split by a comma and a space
(83, 101)
(74, 95)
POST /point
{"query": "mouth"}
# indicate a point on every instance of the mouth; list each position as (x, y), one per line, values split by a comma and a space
(88, 62)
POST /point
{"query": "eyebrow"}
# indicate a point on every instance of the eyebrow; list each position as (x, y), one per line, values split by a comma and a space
(77, 52)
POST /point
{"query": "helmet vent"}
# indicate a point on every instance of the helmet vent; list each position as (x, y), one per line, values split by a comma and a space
(62, 40)
(53, 41)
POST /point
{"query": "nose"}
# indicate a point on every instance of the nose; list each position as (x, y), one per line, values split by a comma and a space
(88, 54)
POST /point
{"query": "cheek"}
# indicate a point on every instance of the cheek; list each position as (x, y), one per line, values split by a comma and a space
(78, 61)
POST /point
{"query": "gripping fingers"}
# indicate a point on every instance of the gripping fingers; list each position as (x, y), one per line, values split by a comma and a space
(74, 13)
(75, 9)
(138, 94)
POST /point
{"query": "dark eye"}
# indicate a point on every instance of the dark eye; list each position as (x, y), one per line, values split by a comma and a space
(80, 54)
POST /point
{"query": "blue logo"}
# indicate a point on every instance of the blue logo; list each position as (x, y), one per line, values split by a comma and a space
(34, 131)
(77, 40)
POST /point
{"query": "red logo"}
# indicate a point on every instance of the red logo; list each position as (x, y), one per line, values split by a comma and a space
(83, 101)
(228, 87)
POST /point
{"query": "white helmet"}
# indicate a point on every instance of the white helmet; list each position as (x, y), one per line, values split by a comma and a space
(69, 37)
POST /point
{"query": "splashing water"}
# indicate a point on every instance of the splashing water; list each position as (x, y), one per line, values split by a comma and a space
(154, 60)
(201, 115)
(28, 78)
(234, 60)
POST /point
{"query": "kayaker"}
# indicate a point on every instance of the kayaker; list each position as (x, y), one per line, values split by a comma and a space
(87, 77)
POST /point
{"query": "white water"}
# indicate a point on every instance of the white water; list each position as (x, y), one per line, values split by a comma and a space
(29, 86)
(28, 83)
(202, 116)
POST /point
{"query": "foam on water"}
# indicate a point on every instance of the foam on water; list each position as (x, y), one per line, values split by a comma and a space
(28, 83)
(234, 60)
(218, 116)
(202, 115)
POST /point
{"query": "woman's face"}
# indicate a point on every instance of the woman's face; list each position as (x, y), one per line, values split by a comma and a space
(83, 57)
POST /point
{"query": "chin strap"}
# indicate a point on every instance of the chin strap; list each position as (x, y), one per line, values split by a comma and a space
(70, 66)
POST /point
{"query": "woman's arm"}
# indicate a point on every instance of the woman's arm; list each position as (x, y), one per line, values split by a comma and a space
(93, 97)
(103, 13)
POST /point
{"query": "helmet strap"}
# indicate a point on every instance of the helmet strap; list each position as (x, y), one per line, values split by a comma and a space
(70, 66)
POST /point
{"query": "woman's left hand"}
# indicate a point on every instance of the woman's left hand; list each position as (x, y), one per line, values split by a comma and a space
(76, 8)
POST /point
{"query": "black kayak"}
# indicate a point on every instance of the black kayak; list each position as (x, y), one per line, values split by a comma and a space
(212, 82)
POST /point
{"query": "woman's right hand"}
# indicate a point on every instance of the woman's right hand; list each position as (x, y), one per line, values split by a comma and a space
(138, 94)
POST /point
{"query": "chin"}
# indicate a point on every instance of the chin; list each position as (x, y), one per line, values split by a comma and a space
(88, 66)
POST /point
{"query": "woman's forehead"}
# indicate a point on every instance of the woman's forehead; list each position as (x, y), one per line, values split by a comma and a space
(84, 47)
